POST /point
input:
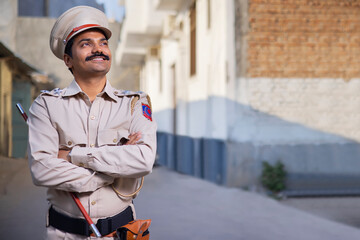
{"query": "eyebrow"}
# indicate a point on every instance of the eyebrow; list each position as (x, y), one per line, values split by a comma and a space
(85, 40)
(89, 39)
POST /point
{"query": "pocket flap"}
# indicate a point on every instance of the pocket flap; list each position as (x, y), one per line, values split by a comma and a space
(69, 141)
(111, 136)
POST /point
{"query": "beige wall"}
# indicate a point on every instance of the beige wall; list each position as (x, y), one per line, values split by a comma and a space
(32, 41)
(5, 109)
(8, 15)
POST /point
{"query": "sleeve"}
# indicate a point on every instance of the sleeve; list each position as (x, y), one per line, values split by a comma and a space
(46, 169)
(127, 160)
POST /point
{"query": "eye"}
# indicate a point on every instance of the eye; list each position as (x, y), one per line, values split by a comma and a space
(85, 44)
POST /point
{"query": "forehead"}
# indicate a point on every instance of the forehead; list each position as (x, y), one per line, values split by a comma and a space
(90, 34)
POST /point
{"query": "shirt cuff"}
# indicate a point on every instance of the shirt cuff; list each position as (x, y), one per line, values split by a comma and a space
(80, 156)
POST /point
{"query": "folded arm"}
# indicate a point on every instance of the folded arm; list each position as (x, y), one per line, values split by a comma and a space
(47, 169)
(130, 160)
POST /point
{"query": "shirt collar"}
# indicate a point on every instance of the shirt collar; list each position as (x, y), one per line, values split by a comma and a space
(109, 90)
(74, 89)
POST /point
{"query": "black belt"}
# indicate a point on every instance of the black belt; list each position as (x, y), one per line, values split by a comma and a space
(81, 227)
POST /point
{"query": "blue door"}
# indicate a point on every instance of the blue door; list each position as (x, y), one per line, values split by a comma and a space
(21, 94)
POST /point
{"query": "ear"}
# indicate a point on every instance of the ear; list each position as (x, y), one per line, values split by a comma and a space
(68, 61)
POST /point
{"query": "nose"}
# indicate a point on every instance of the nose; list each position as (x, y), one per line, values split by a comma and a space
(96, 48)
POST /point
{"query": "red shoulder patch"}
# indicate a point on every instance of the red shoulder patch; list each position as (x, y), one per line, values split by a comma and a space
(146, 111)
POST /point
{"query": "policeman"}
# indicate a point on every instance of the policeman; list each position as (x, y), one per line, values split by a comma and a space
(89, 138)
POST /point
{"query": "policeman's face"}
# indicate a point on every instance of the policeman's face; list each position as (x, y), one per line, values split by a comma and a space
(91, 55)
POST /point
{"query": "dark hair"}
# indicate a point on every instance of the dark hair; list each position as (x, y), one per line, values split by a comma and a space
(68, 49)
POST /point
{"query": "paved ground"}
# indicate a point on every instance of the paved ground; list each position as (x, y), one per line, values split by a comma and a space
(22, 205)
(340, 209)
(180, 206)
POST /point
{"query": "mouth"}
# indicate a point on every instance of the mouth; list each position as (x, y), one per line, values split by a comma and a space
(98, 58)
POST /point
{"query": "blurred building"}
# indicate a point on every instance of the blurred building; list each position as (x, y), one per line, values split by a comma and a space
(238, 82)
(19, 80)
(25, 27)
(31, 24)
(51, 8)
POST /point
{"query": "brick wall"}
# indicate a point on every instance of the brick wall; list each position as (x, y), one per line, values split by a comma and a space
(302, 38)
(299, 60)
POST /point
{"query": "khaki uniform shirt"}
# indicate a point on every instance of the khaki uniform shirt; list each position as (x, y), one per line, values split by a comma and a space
(94, 132)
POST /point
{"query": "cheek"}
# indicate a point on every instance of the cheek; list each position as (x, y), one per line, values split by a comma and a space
(81, 55)
(110, 59)
(106, 50)
(110, 56)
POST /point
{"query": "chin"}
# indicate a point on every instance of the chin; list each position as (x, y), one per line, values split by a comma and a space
(101, 70)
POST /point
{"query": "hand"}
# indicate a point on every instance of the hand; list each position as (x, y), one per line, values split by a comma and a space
(64, 154)
(133, 138)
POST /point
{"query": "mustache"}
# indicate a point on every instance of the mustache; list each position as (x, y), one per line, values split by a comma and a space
(106, 57)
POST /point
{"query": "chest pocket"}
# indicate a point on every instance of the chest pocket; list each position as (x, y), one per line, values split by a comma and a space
(111, 137)
(69, 141)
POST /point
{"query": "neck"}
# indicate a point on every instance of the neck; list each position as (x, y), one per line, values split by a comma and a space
(91, 86)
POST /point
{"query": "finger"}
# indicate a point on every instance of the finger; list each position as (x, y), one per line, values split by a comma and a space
(63, 154)
(60, 153)
(133, 138)
(129, 139)
(138, 136)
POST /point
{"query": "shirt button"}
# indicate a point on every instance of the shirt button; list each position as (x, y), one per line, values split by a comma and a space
(115, 140)
(116, 92)
(93, 202)
(92, 117)
(92, 145)
(69, 142)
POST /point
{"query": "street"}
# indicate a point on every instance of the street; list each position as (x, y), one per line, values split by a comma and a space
(340, 209)
(180, 206)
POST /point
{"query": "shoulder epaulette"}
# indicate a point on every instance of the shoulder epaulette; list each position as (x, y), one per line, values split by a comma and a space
(121, 93)
(133, 102)
(54, 92)
(137, 95)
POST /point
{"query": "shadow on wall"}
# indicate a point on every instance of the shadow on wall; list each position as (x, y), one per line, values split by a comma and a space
(200, 157)
(316, 162)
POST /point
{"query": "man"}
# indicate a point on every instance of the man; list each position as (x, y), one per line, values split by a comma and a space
(89, 138)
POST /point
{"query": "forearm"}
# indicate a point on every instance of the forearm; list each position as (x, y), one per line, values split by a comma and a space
(47, 169)
(117, 161)
(62, 175)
